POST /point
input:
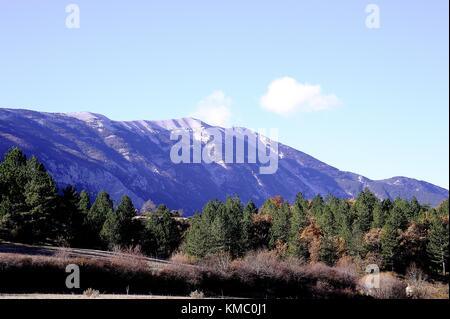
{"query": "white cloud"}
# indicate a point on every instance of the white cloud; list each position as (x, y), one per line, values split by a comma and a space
(215, 109)
(285, 95)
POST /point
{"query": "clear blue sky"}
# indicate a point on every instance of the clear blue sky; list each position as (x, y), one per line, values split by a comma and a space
(159, 59)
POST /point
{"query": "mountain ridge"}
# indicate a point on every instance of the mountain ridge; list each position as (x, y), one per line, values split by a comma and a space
(93, 152)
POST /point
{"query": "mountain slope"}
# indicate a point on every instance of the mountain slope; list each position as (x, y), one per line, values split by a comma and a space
(95, 153)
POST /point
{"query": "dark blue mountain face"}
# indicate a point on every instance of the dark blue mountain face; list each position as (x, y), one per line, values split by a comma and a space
(95, 153)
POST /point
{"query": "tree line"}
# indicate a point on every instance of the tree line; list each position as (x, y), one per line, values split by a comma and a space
(33, 211)
(390, 233)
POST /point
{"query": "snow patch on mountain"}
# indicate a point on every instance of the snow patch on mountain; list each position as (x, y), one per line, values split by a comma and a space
(95, 153)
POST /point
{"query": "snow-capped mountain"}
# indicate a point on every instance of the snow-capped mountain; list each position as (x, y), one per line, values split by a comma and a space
(95, 153)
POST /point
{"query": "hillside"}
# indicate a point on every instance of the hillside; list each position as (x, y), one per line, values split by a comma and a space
(95, 153)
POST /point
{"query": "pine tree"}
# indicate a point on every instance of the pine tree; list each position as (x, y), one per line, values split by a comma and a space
(414, 209)
(261, 231)
(328, 250)
(443, 208)
(362, 213)
(8, 226)
(326, 221)
(280, 229)
(437, 247)
(70, 218)
(398, 216)
(102, 206)
(247, 238)
(232, 219)
(201, 238)
(386, 205)
(222, 227)
(41, 200)
(12, 200)
(161, 234)
(299, 214)
(363, 210)
(125, 214)
(84, 204)
(119, 226)
(28, 199)
(86, 238)
(214, 222)
(390, 237)
(13, 177)
(299, 220)
(381, 212)
(99, 212)
(269, 207)
(342, 219)
(197, 237)
(317, 205)
(390, 243)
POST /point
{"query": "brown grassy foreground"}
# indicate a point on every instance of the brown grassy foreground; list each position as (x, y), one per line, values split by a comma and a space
(257, 275)
(260, 275)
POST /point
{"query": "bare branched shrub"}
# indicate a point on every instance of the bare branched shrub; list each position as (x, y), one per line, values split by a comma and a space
(313, 279)
(338, 278)
(319, 279)
(62, 253)
(130, 258)
(219, 262)
(414, 274)
(91, 293)
(190, 274)
(390, 287)
(418, 287)
(295, 261)
(259, 274)
(372, 258)
(197, 295)
(346, 265)
(260, 263)
(181, 258)
(129, 250)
